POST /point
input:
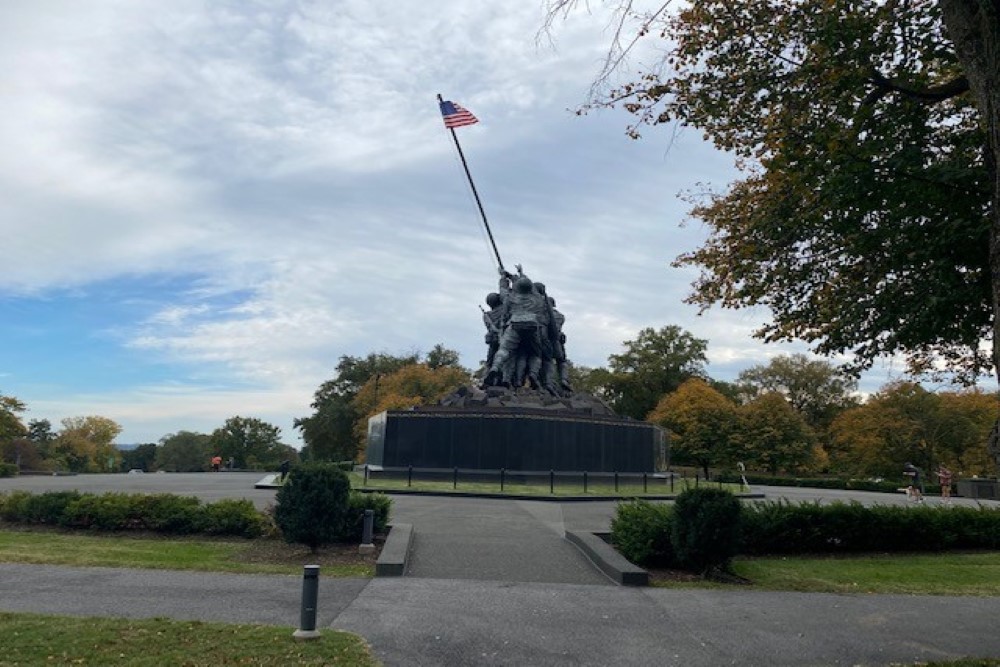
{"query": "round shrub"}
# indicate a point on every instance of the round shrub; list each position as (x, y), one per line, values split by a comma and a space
(705, 531)
(312, 506)
(640, 531)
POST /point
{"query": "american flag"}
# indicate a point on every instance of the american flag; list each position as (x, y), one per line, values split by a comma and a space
(456, 116)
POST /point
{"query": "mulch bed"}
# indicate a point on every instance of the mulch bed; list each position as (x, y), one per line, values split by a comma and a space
(277, 552)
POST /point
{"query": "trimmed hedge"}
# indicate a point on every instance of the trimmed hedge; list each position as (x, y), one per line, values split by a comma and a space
(643, 531)
(824, 483)
(161, 513)
(640, 530)
(783, 528)
(8, 469)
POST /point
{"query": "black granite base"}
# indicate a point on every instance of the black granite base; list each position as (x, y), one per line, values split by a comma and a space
(512, 439)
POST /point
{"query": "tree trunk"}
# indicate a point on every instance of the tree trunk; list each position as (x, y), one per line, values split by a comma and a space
(974, 28)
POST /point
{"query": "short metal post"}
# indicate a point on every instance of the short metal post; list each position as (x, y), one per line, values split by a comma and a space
(585, 481)
(672, 475)
(502, 471)
(644, 483)
(310, 594)
(696, 480)
(616, 481)
(368, 533)
(454, 479)
(552, 481)
(409, 476)
(366, 474)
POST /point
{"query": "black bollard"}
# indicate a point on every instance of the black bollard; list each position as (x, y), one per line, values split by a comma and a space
(502, 473)
(644, 483)
(409, 476)
(367, 533)
(366, 474)
(584, 482)
(454, 479)
(552, 481)
(616, 481)
(310, 595)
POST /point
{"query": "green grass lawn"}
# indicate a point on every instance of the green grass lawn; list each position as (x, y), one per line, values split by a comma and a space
(261, 556)
(564, 486)
(33, 639)
(919, 574)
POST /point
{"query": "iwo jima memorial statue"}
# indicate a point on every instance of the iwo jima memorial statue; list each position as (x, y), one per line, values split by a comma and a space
(524, 416)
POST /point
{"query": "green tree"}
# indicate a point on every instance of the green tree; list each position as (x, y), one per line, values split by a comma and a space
(86, 444)
(902, 423)
(868, 220)
(40, 433)
(968, 417)
(700, 422)
(184, 451)
(441, 357)
(410, 386)
(11, 425)
(773, 435)
(250, 442)
(142, 457)
(814, 387)
(22, 452)
(329, 433)
(654, 364)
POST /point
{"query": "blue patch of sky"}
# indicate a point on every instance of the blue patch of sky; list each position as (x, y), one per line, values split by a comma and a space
(75, 339)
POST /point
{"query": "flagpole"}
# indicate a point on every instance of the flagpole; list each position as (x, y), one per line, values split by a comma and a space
(475, 193)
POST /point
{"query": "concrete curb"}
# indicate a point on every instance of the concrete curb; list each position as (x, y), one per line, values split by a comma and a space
(392, 561)
(608, 560)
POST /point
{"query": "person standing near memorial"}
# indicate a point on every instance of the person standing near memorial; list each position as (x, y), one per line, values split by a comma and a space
(944, 479)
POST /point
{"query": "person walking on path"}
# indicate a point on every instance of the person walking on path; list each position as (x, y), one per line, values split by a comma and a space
(915, 490)
(944, 479)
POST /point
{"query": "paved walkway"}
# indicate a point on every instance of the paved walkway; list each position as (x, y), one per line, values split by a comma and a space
(463, 622)
(492, 582)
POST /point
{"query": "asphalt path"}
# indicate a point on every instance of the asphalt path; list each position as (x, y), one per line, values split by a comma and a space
(492, 582)
(462, 622)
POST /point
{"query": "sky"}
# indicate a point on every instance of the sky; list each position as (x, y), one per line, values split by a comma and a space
(205, 204)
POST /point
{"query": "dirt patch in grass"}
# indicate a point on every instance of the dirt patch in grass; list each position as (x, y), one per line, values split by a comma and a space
(276, 552)
(671, 577)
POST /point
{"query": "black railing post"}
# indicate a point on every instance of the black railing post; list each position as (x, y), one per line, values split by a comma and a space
(672, 475)
(454, 479)
(409, 477)
(552, 481)
(616, 481)
(502, 474)
(645, 488)
(584, 482)
(366, 475)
